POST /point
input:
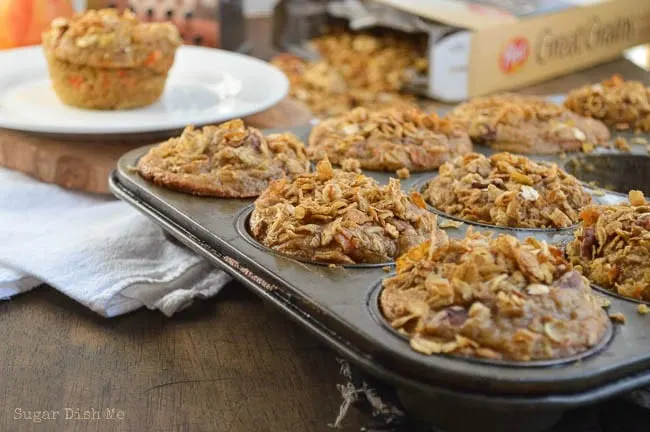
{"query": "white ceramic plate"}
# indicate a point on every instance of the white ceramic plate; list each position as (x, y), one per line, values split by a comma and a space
(204, 86)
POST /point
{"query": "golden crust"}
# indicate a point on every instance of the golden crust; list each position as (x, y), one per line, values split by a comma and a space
(388, 140)
(339, 217)
(229, 160)
(527, 124)
(495, 298)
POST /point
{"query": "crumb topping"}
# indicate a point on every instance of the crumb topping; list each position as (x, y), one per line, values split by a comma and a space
(616, 102)
(389, 139)
(612, 247)
(339, 217)
(226, 160)
(495, 298)
(507, 190)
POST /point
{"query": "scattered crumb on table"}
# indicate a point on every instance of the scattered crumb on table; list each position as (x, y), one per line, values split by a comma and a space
(450, 224)
(618, 317)
(403, 173)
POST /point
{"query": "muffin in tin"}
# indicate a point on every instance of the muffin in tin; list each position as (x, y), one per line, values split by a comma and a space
(615, 102)
(230, 160)
(101, 59)
(527, 124)
(612, 247)
(388, 140)
(507, 190)
(339, 217)
(492, 298)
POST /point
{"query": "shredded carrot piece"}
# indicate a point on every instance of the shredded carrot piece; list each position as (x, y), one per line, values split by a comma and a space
(152, 57)
(76, 81)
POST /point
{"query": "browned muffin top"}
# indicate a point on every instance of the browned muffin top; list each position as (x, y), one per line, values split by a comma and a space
(229, 160)
(389, 140)
(495, 298)
(616, 102)
(107, 39)
(612, 246)
(339, 217)
(527, 124)
(507, 190)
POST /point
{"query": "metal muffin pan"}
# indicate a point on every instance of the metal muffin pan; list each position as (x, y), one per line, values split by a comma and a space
(335, 304)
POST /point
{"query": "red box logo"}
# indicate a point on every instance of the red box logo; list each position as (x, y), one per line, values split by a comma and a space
(514, 55)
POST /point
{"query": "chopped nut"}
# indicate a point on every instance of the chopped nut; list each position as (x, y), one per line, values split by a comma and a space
(538, 289)
(403, 173)
(639, 140)
(332, 266)
(618, 317)
(448, 223)
(386, 269)
(86, 41)
(529, 194)
(643, 309)
(587, 147)
(579, 135)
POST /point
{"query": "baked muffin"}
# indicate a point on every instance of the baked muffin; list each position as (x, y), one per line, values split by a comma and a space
(388, 140)
(507, 190)
(322, 88)
(527, 124)
(493, 298)
(229, 160)
(612, 247)
(102, 59)
(615, 102)
(334, 216)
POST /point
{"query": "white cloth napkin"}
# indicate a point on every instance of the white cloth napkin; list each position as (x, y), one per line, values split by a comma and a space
(97, 250)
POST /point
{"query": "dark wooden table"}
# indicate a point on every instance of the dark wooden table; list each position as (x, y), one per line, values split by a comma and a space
(230, 363)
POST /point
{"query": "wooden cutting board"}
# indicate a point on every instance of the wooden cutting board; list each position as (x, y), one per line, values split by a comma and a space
(86, 163)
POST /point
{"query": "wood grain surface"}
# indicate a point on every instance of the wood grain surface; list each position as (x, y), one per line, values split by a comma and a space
(230, 363)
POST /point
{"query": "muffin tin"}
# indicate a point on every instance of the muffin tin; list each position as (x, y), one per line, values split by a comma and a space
(339, 305)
